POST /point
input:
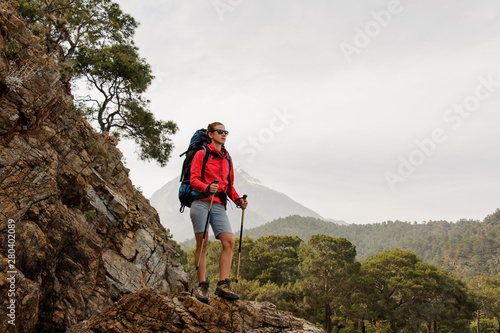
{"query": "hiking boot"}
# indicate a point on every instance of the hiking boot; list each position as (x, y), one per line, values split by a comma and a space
(224, 290)
(201, 293)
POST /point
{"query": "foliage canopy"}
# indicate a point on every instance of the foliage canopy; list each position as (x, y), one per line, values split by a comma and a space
(393, 291)
(93, 40)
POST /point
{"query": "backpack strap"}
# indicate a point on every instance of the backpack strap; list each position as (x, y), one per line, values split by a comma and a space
(229, 174)
(208, 153)
(205, 160)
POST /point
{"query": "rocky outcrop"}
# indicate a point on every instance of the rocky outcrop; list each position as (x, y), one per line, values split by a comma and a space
(153, 311)
(82, 249)
(84, 237)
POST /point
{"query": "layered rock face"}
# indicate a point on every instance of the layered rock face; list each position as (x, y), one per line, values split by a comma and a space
(81, 249)
(155, 311)
(83, 235)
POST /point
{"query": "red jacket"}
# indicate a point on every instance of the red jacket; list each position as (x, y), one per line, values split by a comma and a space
(217, 168)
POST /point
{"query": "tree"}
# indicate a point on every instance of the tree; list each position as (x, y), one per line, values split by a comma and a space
(275, 259)
(446, 299)
(286, 297)
(493, 299)
(328, 265)
(212, 263)
(119, 75)
(93, 39)
(486, 293)
(246, 271)
(413, 292)
(66, 25)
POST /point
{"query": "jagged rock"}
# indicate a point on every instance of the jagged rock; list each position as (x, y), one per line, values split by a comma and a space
(84, 235)
(90, 252)
(154, 311)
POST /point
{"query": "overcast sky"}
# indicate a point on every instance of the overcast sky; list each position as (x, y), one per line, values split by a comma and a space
(364, 111)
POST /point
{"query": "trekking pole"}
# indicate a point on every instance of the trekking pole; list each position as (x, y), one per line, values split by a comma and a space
(241, 235)
(206, 227)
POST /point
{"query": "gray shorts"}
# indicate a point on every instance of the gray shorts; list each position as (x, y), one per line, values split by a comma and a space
(218, 217)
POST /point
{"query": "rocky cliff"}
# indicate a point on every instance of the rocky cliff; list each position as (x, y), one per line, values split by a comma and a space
(81, 249)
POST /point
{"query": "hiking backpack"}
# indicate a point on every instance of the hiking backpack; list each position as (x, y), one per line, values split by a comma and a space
(187, 194)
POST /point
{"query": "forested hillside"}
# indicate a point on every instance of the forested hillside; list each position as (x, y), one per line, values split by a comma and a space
(369, 278)
(321, 281)
(466, 247)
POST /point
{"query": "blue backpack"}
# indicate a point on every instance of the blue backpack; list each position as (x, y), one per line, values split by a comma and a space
(187, 194)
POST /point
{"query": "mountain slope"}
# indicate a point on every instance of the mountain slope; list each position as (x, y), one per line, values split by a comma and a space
(265, 205)
(466, 248)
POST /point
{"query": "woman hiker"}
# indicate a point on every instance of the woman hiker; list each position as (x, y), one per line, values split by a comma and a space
(216, 169)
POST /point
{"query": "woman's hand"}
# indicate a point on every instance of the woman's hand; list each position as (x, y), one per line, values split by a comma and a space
(213, 187)
(242, 202)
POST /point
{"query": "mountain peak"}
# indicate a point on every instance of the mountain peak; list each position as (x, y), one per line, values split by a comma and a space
(246, 176)
(265, 205)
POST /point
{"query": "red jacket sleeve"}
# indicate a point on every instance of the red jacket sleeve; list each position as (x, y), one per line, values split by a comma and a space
(232, 194)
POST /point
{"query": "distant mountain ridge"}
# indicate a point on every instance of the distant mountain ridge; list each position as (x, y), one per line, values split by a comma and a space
(265, 205)
(466, 248)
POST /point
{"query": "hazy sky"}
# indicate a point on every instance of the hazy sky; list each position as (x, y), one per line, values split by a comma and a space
(364, 111)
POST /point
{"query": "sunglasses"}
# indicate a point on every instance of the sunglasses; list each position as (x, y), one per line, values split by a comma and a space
(220, 131)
